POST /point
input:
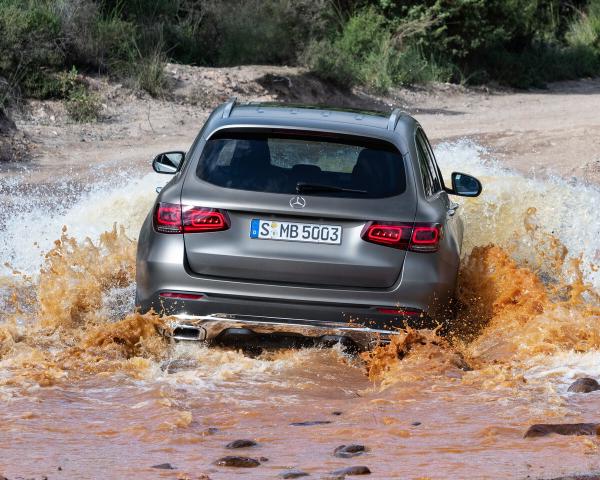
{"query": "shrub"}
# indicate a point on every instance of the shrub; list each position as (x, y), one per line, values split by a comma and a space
(83, 106)
(367, 53)
(80, 103)
(30, 44)
(149, 73)
(585, 30)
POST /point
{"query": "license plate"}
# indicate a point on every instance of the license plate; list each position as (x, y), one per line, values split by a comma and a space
(295, 232)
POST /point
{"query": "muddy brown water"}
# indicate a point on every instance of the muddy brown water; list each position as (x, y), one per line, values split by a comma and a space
(89, 390)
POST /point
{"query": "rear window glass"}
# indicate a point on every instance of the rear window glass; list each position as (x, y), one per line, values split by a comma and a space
(315, 164)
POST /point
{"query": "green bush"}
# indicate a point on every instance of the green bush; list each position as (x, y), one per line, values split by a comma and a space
(149, 74)
(366, 52)
(520, 43)
(585, 30)
(81, 105)
(30, 42)
(40, 38)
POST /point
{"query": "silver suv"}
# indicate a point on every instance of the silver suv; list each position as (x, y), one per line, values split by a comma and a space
(312, 224)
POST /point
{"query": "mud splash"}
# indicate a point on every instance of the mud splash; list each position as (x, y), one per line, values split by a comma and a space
(75, 358)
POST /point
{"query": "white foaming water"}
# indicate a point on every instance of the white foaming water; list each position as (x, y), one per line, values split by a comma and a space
(566, 209)
(564, 367)
(35, 223)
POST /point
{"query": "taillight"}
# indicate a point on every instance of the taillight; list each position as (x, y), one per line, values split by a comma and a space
(418, 238)
(425, 238)
(199, 219)
(174, 218)
(391, 235)
(167, 218)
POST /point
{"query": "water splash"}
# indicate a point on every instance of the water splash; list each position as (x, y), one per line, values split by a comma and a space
(518, 212)
(39, 212)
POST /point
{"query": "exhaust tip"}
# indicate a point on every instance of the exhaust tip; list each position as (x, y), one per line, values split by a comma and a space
(188, 332)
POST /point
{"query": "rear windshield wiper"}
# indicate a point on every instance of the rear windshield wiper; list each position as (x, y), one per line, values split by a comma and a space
(304, 187)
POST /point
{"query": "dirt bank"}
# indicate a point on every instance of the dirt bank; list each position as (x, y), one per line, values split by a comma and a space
(542, 132)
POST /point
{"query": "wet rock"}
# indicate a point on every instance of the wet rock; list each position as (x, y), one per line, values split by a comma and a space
(293, 474)
(349, 451)
(238, 462)
(164, 466)
(310, 423)
(358, 470)
(241, 444)
(544, 429)
(584, 385)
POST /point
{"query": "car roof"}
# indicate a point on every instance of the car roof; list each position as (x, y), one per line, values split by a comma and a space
(395, 127)
(310, 113)
(272, 114)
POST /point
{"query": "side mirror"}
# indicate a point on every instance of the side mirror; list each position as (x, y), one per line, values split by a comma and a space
(465, 185)
(168, 162)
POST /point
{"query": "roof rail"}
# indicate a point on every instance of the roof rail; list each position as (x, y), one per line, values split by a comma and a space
(394, 117)
(229, 107)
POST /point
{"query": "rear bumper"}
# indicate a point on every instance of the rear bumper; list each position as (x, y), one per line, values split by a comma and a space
(223, 327)
(311, 313)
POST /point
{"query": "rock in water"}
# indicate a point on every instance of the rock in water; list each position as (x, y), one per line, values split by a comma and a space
(544, 429)
(293, 474)
(584, 385)
(359, 470)
(164, 466)
(241, 444)
(239, 462)
(349, 451)
(310, 423)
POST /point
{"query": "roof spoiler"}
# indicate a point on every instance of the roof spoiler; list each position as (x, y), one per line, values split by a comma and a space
(229, 107)
(393, 120)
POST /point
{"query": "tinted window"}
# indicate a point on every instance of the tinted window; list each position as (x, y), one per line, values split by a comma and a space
(277, 161)
(429, 171)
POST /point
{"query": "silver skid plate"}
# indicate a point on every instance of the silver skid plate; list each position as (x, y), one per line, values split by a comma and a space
(208, 327)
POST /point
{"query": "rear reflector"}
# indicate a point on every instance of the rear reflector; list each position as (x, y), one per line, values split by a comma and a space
(174, 218)
(398, 311)
(418, 238)
(182, 296)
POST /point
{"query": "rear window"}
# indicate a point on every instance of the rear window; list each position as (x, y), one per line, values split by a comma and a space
(316, 164)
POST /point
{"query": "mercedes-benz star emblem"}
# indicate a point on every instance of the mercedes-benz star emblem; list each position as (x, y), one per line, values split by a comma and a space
(297, 202)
